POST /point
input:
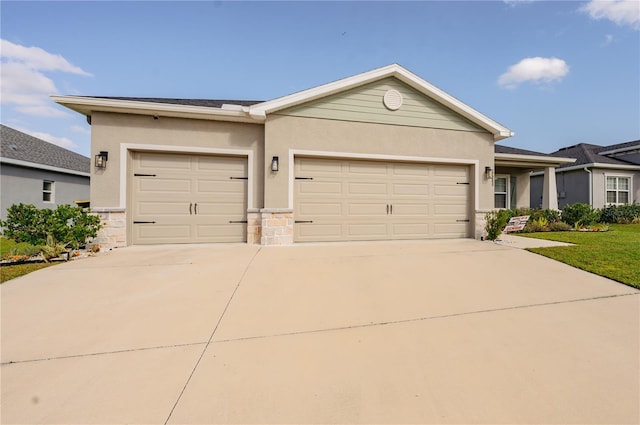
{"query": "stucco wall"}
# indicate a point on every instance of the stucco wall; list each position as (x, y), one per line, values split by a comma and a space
(283, 133)
(24, 185)
(110, 130)
(599, 184)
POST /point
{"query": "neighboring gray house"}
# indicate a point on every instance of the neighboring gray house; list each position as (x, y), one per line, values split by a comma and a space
(33, 171)
(601, 175)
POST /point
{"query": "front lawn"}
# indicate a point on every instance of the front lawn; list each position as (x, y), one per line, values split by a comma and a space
(11, 272)
(614, 254)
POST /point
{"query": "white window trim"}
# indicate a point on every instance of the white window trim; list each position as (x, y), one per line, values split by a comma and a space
(507, 203)
(52, 192)
(618, 175)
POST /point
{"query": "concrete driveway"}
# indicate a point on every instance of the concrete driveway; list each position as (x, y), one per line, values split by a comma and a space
(418, 332)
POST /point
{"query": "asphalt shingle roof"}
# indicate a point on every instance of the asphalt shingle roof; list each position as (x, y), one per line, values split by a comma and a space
(586, 153)
(516, 151)
(23, 147)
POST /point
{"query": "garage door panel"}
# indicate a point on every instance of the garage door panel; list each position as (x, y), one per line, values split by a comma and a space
(222, 165)
(319, 210)
(411, 171)
(319, 231)
(458, 190)
(411, 230)
(417, 189)
(408, 209)
(222, 232)
(380, 200)
(319, 188)
(365, 169)
(362, 189)
(161, 161)
(324, 168)
(153, 209)
(208, 186)
(163, 185)
(450, 171)
(460, 210)
(159, 233)
(180, 183)
(374, 230)
(365, 209)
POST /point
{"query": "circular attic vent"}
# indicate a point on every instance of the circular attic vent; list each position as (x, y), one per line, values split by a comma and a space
(392, 100)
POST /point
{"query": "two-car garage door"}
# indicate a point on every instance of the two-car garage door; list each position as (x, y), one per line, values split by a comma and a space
(178, 198)
(343, 200)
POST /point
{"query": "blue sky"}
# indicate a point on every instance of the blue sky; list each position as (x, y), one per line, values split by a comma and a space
(556, 73)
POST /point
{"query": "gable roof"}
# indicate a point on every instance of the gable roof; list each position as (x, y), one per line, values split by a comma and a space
(254, 111)
(499, 131)
(19, 148)
(586, 153)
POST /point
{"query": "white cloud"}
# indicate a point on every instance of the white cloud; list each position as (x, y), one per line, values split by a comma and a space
(537, 70)
(38, 59)
(622, 12)
(24, 83)
(63, 142)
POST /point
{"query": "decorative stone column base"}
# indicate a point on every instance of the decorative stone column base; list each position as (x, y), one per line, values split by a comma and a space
(277, 226)
(254, 227)
(480, 223)
(114, 228)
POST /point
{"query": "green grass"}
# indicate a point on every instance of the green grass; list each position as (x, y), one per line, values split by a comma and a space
(8, 246)
(614, 254)
(11, 272)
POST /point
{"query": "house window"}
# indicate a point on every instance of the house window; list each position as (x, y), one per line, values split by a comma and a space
(618, 190)
(504, 191)
(47, 191)
(501, 192)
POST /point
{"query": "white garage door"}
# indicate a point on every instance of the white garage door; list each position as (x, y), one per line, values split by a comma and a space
(188, 198)
(350, 200)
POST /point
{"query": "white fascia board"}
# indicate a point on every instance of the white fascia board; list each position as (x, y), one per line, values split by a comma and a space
(593, 165)
(499, 132)
(28, 164)
(533, 160)
(87, 105)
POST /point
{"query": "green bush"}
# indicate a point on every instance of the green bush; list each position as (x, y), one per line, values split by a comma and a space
(66, 224)
(559, 226)
(496, 222)
(621, 214)
(580, 214)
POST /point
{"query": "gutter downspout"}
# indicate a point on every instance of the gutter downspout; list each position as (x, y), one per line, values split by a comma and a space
(590, 186)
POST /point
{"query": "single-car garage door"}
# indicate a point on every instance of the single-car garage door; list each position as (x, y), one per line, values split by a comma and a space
(179, 198)
(349, 200)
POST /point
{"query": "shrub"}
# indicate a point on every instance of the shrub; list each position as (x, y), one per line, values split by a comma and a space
(66, 224)
(559, 227)
(580, 214)
(621, 214)
(496, 222)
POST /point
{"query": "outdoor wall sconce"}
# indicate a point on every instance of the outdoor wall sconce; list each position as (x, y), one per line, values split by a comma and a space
(101, 159)
(275, 164)
(488, 173)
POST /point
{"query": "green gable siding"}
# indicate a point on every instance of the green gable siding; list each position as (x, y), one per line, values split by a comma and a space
(364, 104)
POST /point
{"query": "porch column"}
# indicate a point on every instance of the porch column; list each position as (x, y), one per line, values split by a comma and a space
(549, 189)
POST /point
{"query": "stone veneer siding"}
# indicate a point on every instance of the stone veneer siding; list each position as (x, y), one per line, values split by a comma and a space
(277, 226)
(114, 228)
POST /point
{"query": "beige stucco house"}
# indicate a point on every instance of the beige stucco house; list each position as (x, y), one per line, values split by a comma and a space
(381, 155)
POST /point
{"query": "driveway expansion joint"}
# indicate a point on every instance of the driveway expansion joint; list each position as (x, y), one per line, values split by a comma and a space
(422, 319)
(102, 353)
(226, 307)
